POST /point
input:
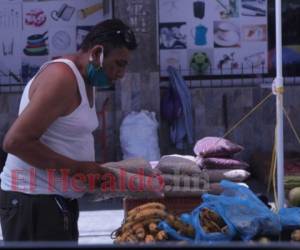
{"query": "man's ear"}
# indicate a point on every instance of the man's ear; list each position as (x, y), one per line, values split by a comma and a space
(96, 52)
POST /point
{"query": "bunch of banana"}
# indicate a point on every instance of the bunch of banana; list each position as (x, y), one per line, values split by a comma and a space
(140, 224)
(181, 228)
(211, 222)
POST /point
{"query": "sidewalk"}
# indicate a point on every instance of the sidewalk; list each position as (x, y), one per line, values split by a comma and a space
(95, 227)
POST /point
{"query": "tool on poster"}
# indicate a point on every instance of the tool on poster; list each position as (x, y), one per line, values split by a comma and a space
(36, 45)
(9, 75)
(65, 12)
(8, 47)
(35, 17)
(254, 8)
(14, 76)
(83, 13)
(229, 8)
(9, 18)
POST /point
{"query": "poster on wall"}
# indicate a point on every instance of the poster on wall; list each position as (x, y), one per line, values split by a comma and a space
(33, 32)
(213, 37)
(10, 45)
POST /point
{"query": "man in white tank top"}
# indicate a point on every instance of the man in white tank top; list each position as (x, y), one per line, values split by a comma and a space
(50, 145)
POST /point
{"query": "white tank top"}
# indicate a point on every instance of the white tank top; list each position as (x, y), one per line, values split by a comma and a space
(69, 135)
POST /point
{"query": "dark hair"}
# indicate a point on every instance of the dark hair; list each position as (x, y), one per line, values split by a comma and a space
(112, 33)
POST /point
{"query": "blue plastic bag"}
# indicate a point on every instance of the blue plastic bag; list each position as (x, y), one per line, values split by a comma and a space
(245, 215)
(245, 211)
(193, 219)
(200, 234)
(163, 225)
(290, 218)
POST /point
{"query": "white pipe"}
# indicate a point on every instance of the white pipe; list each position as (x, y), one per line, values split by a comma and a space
(279, 109)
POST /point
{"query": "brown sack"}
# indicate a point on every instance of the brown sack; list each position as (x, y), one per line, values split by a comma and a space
(178, 164)
(133, 165)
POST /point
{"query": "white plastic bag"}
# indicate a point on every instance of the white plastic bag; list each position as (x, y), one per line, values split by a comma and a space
(139, 137)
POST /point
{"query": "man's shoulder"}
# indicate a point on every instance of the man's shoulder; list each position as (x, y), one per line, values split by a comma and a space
(59, 70)
(58, 76)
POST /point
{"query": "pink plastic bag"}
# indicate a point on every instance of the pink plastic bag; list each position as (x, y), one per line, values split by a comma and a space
(222, 163)
(216, 147)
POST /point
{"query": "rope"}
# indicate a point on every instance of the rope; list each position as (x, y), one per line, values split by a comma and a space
(274, 184)
(247, 115)
(292, 125)
(270, 181)
(272, 177)
(274, 168)
(274, 159)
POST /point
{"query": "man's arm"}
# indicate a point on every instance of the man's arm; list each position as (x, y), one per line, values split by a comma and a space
(55, 95)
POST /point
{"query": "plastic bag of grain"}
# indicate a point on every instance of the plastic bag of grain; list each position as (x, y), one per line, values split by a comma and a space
(216, 147)
(235, 175)
(222, 163)
(178, 164)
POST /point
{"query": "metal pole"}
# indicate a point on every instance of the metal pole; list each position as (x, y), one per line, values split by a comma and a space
(279, 107)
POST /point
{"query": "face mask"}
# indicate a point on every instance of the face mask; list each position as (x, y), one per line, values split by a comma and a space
(96, 76)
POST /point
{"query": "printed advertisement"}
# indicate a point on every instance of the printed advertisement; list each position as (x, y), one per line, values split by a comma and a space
(33, 32)
(213, 37)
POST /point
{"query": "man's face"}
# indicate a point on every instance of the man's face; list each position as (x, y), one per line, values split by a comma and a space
(115, 63)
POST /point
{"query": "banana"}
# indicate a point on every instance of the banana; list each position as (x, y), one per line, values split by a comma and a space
(137, 226)
(149, 238)
(224, 229)
(161, 235)
(216, 218)
(117, 240)
(147, 213)
(149, 205)
(140, 233)
(179, 226)
(211, 221)
(209, 225)
(124, 236)
(131, 239)
(129, 225)
(152, 228)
